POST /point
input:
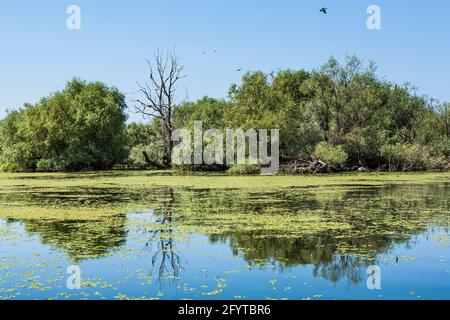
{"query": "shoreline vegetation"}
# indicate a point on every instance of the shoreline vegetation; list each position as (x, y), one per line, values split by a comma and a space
(341, 117)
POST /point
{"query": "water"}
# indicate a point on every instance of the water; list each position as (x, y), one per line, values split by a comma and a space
(311, 242)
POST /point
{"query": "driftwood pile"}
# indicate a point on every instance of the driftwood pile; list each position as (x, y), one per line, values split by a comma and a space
(316, 166)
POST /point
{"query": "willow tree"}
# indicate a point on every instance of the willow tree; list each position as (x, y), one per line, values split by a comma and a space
(80, 127)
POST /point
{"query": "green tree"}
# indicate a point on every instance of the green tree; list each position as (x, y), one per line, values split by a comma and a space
(81, 127)
(276, 101)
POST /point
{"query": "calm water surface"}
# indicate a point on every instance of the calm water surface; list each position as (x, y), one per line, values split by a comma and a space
(285, 243)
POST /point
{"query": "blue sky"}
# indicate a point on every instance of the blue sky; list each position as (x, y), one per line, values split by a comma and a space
(38, 53)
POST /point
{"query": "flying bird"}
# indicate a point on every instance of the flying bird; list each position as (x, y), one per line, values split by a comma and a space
(239, 70)
(324, 10)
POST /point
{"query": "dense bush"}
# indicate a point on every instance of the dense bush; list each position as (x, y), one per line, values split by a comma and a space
(344, 112)
(331, 155)
(142, 156)
(141, 134)
(81, 127)
(408, 157)
(9, 167)
(47, 165)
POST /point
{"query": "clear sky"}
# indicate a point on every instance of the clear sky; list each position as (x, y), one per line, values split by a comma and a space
(38, 54)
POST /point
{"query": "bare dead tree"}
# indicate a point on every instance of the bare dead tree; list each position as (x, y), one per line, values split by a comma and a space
(159, 95)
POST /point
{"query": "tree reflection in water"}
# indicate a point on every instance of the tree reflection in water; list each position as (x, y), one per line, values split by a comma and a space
(164, 259)
(80, 240)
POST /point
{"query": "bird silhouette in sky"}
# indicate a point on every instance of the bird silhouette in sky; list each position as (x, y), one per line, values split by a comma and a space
(324, 10)
(239, 70)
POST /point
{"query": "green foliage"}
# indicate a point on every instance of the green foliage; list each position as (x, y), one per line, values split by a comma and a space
(345, 105)
(239, 169)
(408, 157)
(47, 165)
(9, 167)
(142, 156)
(332, 155)
(341, 111)
(141, 134)
(81, 127)
(276, 101)
(144, 145)
(211, 112)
